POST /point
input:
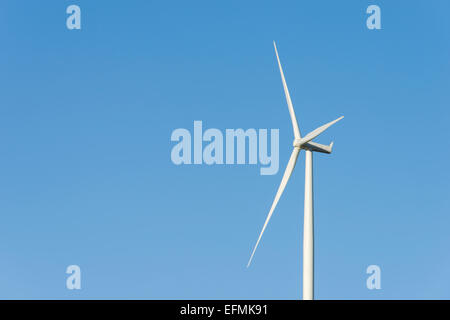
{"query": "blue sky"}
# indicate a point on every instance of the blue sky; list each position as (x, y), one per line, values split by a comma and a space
(86, 177)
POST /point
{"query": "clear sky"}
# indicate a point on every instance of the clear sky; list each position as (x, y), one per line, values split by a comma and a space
(86, 176)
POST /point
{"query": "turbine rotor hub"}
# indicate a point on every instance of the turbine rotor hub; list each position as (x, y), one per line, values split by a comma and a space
(297, 143)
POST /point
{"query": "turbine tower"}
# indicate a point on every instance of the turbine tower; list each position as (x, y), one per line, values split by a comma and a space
(309, 146)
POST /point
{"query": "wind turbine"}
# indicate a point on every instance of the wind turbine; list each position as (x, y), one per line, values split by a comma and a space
(306, 144)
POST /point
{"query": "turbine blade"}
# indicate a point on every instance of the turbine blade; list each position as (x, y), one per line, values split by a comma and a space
(287, 174)
(319, 130)
(288, 98)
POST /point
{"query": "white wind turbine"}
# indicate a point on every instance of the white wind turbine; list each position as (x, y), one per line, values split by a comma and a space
(308, 226)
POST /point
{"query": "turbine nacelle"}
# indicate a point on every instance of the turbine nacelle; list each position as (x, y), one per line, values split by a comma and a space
(313, 146)
(317, 147)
